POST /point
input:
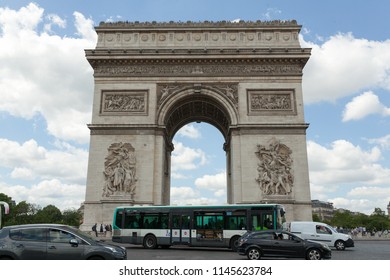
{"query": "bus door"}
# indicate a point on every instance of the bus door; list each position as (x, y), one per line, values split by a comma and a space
(262, 219)
(180, 230)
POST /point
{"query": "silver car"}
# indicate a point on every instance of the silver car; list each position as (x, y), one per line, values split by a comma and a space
(54, 242)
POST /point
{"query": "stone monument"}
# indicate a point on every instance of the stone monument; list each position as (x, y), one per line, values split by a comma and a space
(151, 79)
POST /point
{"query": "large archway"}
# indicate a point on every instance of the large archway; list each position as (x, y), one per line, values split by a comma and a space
(152, 78)
(198, 166)
(184, 104)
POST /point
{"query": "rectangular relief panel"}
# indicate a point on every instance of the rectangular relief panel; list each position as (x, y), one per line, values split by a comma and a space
(270, 102)
(124, 102)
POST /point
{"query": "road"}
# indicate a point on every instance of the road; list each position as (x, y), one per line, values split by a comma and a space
(363, 250)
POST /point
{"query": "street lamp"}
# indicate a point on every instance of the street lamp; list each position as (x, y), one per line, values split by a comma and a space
(6, 209)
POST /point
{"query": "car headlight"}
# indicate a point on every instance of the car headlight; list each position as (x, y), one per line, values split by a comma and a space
(112, 249)
(325, 246)
(242, 241)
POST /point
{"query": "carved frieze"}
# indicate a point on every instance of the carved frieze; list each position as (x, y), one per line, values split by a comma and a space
(227, 90)
(120, 171)
(206, 70)
(124, 102)
(274, 169)
(271, 101)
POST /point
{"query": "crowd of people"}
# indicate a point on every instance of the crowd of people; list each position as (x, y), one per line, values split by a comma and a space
(102, 229)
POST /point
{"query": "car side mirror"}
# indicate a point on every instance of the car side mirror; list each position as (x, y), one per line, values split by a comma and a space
(74, 242)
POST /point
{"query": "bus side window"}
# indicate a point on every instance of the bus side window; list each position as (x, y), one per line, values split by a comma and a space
(232, 223)
(164, 218)
(118, 218)
(199, 222)
(267, 221)
(132, 221)
(242, 224)
(256, 224)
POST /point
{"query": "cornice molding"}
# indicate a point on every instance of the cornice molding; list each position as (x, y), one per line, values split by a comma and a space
(204, 24)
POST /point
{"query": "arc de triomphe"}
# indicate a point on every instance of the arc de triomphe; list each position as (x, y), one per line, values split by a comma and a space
(245, 78)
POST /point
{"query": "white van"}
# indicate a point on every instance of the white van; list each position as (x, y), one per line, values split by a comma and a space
(320, 232)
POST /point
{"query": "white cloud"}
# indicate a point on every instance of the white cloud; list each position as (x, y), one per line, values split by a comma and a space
(321, 192)
(64, 196)
(189, 131)
(271, 13)
(189, 196)
(29, 161)
(185, 158)
(364, 205)
(384, 141)
(335, 169)
(54, 20)
(85, 27)
(215, 182)
(344, 65)
(342, 156)
(370, 192)
(45, 74)
(363, 105)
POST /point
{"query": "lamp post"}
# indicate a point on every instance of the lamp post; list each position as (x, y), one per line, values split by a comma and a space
(6, 209)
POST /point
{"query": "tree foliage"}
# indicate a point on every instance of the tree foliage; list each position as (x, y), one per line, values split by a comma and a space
(378, 221)
(27, 213)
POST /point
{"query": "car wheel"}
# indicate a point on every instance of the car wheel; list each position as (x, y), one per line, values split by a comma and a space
(234, 243)
(254, 254)
(150, 242)
(95, 258)
(313, 254)
(340, 245)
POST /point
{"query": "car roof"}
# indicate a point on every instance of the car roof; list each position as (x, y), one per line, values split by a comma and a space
(35, 226)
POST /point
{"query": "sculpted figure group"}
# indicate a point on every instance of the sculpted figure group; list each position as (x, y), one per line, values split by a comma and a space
(120, 170)
(274, 169)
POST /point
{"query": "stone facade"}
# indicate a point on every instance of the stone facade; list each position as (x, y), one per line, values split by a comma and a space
(152, 78)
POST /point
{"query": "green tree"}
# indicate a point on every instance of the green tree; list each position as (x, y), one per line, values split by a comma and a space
(71, 217)
(378, 221)
(316, 218)
(49, 214)
(24, 213)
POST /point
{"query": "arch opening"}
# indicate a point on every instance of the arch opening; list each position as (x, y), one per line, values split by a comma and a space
(200, 112)
(198, 166)
(198, 109)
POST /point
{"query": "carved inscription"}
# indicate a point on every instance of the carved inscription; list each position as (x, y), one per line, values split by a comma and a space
(275, 176)
(120, 171)
(127, 102)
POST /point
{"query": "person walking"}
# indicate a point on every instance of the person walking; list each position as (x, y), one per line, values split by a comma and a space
(94, 229)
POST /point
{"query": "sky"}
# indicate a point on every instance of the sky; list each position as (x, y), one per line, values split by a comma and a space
(46, 88)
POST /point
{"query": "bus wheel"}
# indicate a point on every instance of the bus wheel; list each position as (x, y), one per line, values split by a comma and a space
(150, 242)
(234, 243)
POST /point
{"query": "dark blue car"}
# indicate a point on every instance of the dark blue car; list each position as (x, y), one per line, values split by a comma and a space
(54, 242)
(276, 243)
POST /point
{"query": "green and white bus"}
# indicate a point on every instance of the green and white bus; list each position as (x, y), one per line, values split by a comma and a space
(203, 226)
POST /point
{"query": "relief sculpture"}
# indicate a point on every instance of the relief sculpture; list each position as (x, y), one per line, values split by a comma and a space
(123, 102)
(274, 169)
(270, 102)
(120, 170)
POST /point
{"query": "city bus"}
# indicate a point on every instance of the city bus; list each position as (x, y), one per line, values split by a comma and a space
(203, 226)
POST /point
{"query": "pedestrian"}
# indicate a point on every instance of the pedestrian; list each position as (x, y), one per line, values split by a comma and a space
(94, 229)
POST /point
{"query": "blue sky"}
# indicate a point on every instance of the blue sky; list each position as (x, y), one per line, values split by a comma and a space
(46, 88)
